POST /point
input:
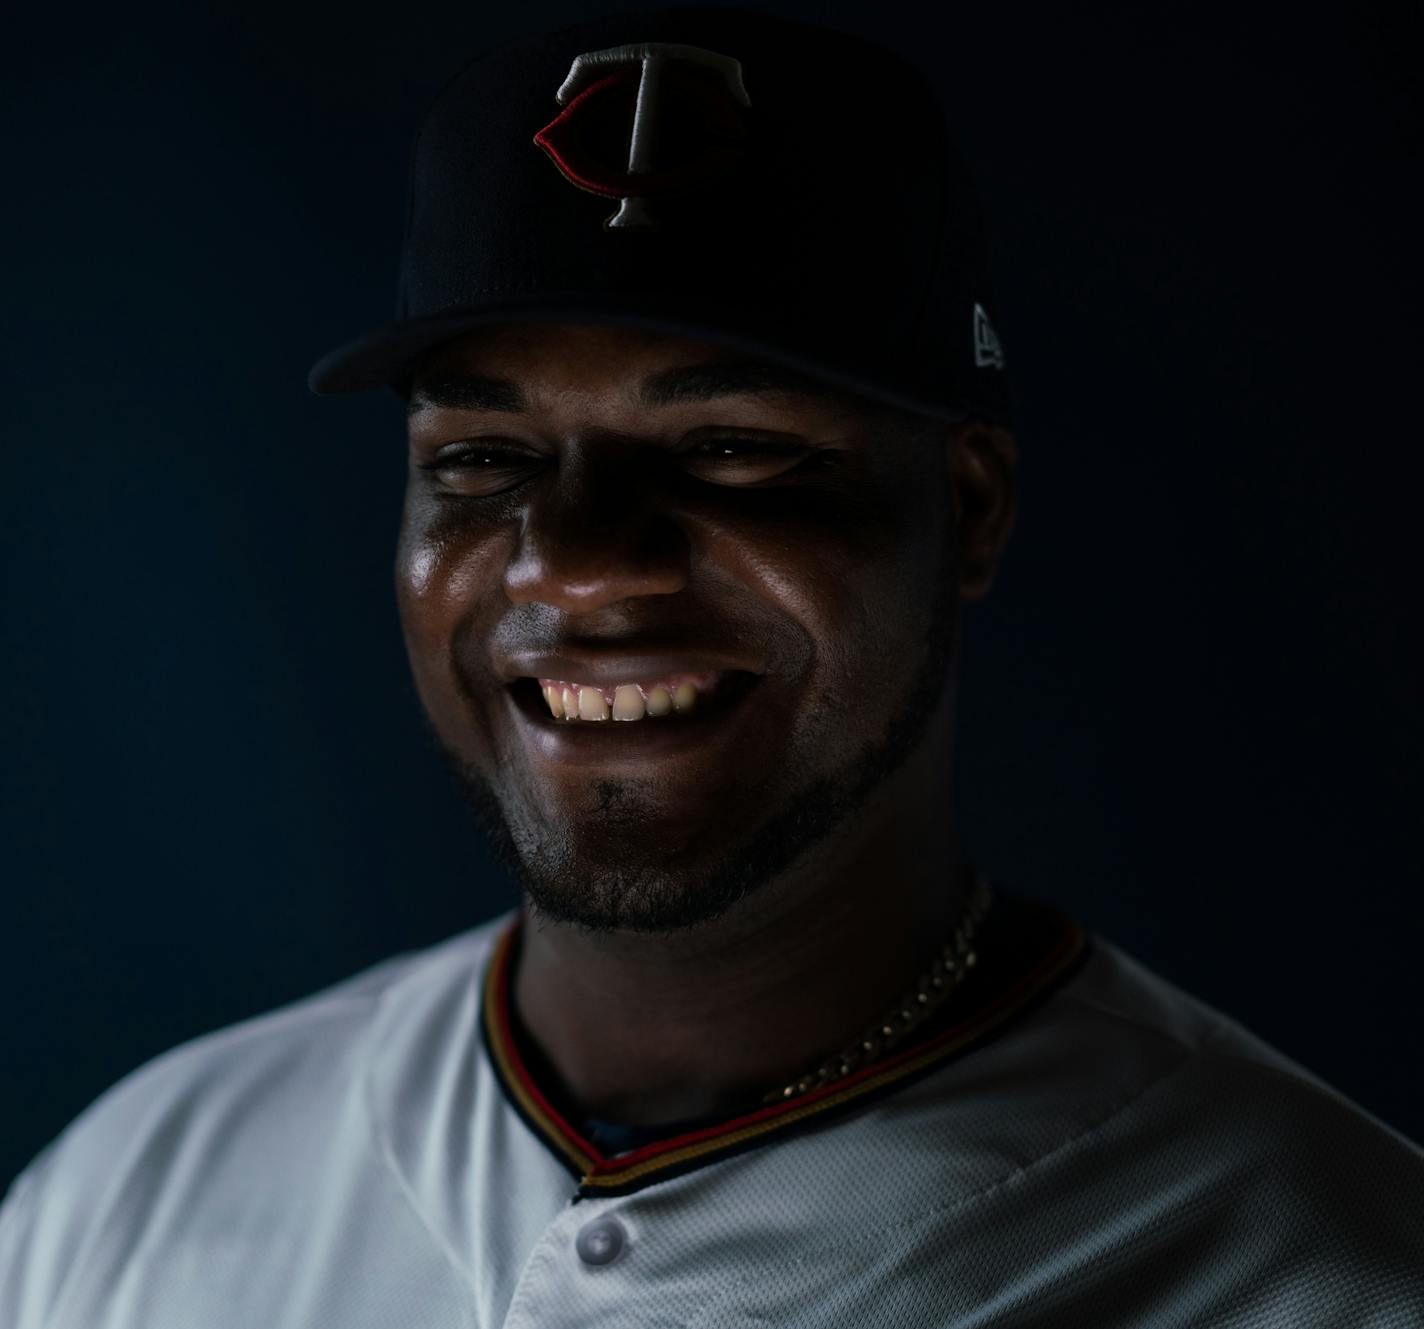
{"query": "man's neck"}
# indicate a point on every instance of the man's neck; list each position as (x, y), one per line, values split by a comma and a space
(643, 1029)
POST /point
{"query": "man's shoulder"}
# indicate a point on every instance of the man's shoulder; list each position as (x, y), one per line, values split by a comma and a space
(1129, 1133)
(272, 1089)
(1131, 1004)
(296, 1045)
(1229, 1136)
(301, 1041)
(1116, 1061)
(1119, 1003)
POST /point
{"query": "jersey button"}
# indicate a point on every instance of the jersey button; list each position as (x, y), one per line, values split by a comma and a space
(601, 1241)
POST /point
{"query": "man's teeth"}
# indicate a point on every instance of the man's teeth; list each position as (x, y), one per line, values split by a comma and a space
(629, 701)
(591, 705)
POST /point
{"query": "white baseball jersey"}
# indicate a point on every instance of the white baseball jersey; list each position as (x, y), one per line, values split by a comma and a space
(1081, 1145)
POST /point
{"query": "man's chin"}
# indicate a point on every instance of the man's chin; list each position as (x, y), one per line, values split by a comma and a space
(597, 883)
(617, 902)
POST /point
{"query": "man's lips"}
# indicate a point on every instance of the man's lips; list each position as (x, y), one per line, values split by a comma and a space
(588, 741)
(729, 688)
(609, 669)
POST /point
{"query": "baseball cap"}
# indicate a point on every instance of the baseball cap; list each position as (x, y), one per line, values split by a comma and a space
(777, 187)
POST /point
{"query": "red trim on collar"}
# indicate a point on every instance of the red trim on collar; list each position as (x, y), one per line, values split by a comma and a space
(599, 1174)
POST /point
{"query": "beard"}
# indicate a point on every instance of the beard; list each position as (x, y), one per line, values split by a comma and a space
(605, 888)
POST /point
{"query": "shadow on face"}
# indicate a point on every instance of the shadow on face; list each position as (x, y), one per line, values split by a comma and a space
(596, 498)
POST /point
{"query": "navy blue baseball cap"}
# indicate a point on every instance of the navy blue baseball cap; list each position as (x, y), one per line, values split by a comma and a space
(781, 188)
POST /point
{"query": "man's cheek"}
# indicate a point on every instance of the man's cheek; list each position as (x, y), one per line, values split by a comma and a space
(415, 572)
(440, 571)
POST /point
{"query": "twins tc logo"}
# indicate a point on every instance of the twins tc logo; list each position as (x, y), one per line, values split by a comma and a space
(688, 129)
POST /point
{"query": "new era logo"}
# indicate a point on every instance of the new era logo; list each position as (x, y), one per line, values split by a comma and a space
(988, 352)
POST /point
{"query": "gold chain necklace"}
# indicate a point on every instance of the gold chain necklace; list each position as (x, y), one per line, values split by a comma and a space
(948, 969)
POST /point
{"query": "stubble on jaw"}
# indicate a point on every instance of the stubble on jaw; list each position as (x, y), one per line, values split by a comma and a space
(669, 897)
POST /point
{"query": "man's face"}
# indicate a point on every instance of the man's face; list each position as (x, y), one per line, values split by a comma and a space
(595, 495)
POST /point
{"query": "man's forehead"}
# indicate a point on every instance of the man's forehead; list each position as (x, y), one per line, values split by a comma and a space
(511, 368)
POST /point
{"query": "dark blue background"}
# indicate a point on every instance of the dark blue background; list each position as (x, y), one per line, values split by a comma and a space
(1190, 708)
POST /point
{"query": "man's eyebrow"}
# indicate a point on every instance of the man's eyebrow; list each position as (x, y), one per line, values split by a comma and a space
(468, 392)
(668, 387)
(731, 378)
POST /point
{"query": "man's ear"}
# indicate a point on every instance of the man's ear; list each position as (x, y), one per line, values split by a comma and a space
(983, 467)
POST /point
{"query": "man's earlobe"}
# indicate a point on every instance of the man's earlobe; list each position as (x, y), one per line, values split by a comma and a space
(983, 464)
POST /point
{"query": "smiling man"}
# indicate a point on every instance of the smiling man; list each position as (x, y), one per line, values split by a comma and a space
(708, 451)
(684, 625)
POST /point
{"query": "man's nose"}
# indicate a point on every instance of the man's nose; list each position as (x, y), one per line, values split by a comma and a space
(595, 536)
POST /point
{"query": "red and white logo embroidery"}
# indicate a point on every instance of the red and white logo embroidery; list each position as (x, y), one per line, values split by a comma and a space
(685, 104)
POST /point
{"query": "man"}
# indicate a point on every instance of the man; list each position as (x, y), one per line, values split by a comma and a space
(708, 447)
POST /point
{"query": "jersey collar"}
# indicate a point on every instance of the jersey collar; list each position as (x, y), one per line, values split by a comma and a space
(1057, 947)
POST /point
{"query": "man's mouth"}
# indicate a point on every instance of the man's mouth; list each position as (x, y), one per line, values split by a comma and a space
(677, 699)
(679, 694)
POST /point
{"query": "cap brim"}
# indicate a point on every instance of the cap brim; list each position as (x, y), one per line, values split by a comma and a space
(387, 356)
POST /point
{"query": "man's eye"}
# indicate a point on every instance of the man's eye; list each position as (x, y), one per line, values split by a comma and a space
(745, 458)
(481, 470)
(738, 447)
(487, 469)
